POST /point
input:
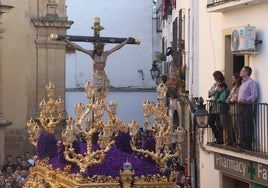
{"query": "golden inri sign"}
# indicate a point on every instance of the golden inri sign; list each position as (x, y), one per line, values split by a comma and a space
(249, 170)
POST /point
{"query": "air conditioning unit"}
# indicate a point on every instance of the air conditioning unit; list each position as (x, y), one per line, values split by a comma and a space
(243, 39)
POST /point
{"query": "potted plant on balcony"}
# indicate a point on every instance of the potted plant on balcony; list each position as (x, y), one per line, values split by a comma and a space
(176, 82)
(159, 57)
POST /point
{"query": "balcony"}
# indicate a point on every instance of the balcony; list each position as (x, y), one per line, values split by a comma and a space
(233, 119)
(226, 5)
(166, 8)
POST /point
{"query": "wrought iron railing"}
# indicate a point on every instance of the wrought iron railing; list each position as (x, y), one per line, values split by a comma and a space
(230, 117)
(217, 2)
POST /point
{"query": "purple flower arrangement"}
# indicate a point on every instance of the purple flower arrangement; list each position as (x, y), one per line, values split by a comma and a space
(149, 145)
(46, 146)
(122, 142)
(114, 159)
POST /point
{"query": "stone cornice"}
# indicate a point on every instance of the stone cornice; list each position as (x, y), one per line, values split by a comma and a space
(52, 23)
(4, 122)
(5, 8)
(50, 44)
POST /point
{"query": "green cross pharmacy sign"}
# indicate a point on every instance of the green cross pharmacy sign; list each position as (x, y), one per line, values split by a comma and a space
(251, 171)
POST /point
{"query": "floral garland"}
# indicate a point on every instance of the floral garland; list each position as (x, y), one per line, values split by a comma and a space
(176, 81)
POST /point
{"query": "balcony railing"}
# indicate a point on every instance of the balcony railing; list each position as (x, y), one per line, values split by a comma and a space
(231, 118)
(224, 5)
(217, 2)
(166, 8)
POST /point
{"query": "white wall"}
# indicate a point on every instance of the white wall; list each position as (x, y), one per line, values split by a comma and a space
(209, 177)
(207, 48)
(255, 16)
(129, 104)
(205, 51)
(211, 57)
(211, 50)
(120, 18)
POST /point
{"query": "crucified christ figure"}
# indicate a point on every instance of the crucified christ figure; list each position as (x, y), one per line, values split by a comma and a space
(99, 78)
(99, 56)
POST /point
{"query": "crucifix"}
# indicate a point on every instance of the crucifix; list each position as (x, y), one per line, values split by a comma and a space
(96, 38)
(99, 80)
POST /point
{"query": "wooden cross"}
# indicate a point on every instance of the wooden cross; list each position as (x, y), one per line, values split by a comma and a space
(96, 38)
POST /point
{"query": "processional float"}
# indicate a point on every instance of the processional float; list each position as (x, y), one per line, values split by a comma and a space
(75, 164)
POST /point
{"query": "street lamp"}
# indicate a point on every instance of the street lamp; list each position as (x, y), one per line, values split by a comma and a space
(200, 120)
(201, 114)
(155, 72)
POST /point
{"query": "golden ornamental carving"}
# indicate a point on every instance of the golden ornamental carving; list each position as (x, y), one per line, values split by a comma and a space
(162, 129)
(89, 121)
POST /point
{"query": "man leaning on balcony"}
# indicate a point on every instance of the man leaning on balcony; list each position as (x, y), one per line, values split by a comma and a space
(247, 96)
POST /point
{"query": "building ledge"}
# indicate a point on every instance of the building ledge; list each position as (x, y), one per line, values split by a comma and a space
(237, 152)
(5, 8)
(118, 89)
(52, 23)
(5, 123)
(227, 5)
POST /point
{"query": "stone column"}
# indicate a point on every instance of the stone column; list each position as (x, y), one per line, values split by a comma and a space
(3, 122)
(50, 54)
